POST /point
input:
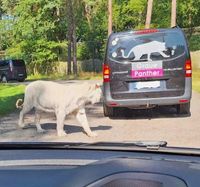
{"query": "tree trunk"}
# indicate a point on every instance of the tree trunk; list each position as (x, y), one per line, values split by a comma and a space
(173, 14)
(69, 34)
(74, 6)
(75, 68)
(109, 17)
(149, 13)
(69, 57)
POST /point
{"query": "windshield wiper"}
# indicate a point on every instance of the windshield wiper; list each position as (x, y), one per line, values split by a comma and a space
(38, 145)
(141, 144)
(150, 144)
(71, 144)
(138, 146)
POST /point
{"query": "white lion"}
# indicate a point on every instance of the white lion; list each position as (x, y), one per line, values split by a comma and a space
(147, 48)
(61, 99)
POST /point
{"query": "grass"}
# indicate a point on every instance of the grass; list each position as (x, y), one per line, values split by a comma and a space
(8, 97)
(196, 80)
(196, 70)
(80, 76)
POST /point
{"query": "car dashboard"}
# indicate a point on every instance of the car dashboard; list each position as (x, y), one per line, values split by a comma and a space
(93, 168)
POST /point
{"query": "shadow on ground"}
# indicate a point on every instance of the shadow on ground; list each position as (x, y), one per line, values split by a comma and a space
(69, 128)
(74, 129)
(158, 112)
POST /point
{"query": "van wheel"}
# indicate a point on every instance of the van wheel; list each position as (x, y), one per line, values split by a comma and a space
(4, 79)
(108, 111)
(183, 108)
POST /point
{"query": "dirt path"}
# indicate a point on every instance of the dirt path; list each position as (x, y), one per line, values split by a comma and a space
(159, 124)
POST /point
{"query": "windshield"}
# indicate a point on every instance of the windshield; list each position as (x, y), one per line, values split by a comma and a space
(88, 78)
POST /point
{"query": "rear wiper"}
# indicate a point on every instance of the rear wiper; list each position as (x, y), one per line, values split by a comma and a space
(141, 60)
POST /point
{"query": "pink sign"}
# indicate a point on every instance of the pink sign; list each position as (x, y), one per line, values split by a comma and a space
(147, 73)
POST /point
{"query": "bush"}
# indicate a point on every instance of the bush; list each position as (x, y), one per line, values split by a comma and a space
(194, 42)
(91, 65)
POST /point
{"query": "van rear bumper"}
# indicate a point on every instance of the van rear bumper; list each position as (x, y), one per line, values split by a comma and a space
(109, 101)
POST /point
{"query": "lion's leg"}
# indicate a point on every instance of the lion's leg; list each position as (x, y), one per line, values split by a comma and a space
(26, 108)
(81, 117)
(60, 115)
(37, 121)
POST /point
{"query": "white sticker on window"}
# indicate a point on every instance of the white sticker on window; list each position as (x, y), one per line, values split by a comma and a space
(115, 41)
(114, 54)
(146, 48)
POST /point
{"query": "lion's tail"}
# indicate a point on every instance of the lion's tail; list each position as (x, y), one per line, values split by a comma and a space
(19, 103)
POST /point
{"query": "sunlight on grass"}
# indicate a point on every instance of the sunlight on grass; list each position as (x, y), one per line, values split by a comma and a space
(196, 80)
(196, 70)
(8, 97)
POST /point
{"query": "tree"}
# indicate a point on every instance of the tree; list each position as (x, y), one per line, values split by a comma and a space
(173, 14)
(34, 33)
(109, 17)
(149, 13)
(92, 31)
(161, 14)
(69, 34)
(188, 13)
(129, 14)
(45, 31)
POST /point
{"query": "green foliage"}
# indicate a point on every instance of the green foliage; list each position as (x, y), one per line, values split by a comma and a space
(83, 51)
(129, 14)
(8, 97)
(161, 15)
(38, 32)
(34, 35)
(196, 80)
(194, 43)
(188, 12)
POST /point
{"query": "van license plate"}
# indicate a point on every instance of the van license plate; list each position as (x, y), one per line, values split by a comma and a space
(148, 84)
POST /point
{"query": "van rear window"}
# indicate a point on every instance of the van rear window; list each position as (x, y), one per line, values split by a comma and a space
(18, 63)
(153, 46)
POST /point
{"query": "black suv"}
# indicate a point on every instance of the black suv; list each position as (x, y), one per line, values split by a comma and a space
(147, 68)
(12, 70)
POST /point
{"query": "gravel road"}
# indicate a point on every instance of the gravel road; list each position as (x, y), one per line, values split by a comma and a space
(156, 124)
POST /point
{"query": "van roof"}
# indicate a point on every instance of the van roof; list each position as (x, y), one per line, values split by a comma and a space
(147, 31)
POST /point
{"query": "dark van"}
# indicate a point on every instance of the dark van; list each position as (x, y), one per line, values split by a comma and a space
(147, 68)
(12, 70)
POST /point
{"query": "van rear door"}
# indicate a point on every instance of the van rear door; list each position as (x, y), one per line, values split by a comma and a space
(18, 69)
(147, 64)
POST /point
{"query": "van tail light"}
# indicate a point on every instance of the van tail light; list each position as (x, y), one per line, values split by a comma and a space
(188, 68)
(183, 101)
(106, 73)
